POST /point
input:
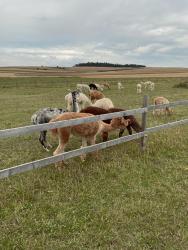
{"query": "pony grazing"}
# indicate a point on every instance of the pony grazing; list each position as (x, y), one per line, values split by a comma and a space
(87, 131)
(162, 100)
(120, 86)
(92, 86)
(132, 122)
(84, 88)
(104, 103)
(95, 95)
(138, 88)
(105, 84)
(44, 116)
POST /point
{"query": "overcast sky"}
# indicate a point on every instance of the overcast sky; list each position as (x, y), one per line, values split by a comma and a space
(65, 32)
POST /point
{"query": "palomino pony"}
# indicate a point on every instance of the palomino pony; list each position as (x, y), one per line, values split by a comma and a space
(162, 100)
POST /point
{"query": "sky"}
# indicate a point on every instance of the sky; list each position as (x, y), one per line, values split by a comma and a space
(66, 32)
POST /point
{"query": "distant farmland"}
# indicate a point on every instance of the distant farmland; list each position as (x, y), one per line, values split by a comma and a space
(92, 72)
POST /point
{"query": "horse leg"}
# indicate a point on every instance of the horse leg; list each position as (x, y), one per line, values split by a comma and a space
(42, 139)
(104, 136)
(129, 129)
(157, 112)
(63, 140)
(168, 111)
(47, 144)
(121, 131)
(91, 141)
(84, 144)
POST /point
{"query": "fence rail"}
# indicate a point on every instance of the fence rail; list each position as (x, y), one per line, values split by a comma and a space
(67, 155)
(61, 124)
(46, 126)
(171, 104)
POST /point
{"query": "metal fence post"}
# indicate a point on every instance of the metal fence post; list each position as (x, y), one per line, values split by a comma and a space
(144, 121)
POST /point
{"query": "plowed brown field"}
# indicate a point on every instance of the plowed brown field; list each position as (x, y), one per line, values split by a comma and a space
(92, 72)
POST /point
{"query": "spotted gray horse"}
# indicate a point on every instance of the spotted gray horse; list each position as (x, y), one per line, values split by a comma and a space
(46, 114)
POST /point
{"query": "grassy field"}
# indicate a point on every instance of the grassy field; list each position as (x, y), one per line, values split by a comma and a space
(126, 200)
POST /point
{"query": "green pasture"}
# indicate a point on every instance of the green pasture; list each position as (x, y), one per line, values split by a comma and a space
(128, 199)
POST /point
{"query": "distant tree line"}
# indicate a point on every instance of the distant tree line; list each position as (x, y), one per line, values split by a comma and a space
(105, 64)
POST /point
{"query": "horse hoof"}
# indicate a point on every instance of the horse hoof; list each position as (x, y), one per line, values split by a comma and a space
(82, 158)
(46, 149)
(59, 166)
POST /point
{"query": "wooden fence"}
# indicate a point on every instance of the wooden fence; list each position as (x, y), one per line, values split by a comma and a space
(67, 155)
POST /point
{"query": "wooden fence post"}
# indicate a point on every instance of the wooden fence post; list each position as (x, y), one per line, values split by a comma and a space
(144, 121)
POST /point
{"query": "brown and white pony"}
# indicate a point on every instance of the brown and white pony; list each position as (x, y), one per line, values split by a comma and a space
(87, 131)
(95, 95)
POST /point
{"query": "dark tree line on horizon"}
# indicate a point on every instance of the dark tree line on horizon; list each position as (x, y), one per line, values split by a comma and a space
(105, 64)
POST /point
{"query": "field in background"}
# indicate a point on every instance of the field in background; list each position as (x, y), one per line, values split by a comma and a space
(126, 200)
(92, 72)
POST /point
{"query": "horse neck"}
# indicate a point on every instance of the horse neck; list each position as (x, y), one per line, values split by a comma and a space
(76, 107)
(105, 127)
(75, 104)
(89, 102)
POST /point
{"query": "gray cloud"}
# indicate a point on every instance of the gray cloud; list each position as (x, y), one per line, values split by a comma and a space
(56, 32)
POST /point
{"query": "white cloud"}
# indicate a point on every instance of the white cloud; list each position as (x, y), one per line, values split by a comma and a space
(69, 31)
(162, 31)
(182, 41)
(164, 49)
(146, 48)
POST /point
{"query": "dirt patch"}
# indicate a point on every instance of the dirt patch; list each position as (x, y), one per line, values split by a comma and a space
(136, 75)
(3, 74)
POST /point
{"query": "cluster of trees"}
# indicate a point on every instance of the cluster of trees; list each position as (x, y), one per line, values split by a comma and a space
(105, 64)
